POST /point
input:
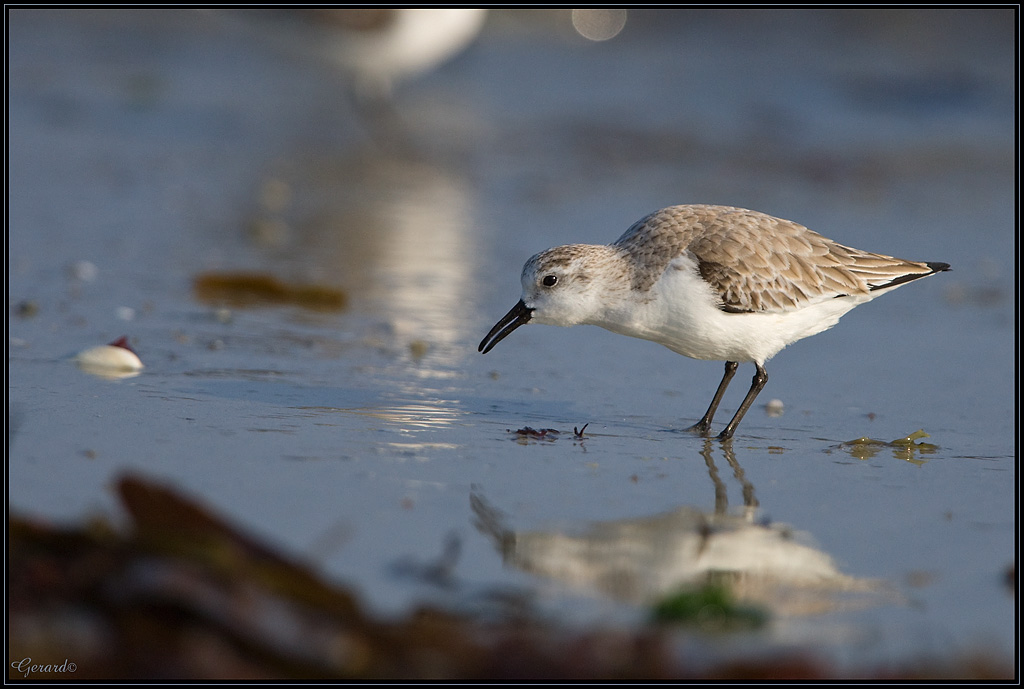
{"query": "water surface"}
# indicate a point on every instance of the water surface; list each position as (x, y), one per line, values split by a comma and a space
(161, 146)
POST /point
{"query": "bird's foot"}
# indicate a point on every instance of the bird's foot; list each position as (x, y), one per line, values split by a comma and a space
(700, 428)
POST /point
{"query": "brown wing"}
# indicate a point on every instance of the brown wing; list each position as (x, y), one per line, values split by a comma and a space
(758, 263)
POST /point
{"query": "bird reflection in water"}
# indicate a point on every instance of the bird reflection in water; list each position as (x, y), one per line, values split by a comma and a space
(639, 560)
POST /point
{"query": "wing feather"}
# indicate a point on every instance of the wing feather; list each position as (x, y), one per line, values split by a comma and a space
(759, 263)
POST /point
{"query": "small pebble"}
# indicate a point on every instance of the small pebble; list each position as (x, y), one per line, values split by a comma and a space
(275, 195)
(84, 271)
(27, 308)
(271, 232)
(418, 349)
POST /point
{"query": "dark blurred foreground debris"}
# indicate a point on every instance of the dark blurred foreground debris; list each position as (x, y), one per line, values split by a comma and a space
(183, 595)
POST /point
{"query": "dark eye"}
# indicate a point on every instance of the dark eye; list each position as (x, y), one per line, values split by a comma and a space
(549, 280)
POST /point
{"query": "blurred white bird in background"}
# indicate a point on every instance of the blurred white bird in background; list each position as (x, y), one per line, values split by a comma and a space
(376, 48)
(379, 47)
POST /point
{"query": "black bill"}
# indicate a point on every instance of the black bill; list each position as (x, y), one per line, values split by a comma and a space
(519, 315)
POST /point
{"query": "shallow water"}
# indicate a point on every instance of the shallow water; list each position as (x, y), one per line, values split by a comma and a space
(160, 146)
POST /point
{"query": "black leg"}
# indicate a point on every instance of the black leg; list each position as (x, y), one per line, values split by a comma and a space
(704, 424)
(756, 385)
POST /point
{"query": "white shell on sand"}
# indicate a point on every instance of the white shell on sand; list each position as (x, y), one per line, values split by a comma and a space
(110, 361)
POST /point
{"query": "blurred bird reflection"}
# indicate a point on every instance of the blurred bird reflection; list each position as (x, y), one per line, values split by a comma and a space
(639, 560)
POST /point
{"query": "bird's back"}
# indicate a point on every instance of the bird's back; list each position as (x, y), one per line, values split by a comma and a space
(757, 263)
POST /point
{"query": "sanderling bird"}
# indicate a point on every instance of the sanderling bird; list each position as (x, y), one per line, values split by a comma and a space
(708, 282)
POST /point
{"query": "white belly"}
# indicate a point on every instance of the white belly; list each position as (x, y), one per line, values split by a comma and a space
(681, 313)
